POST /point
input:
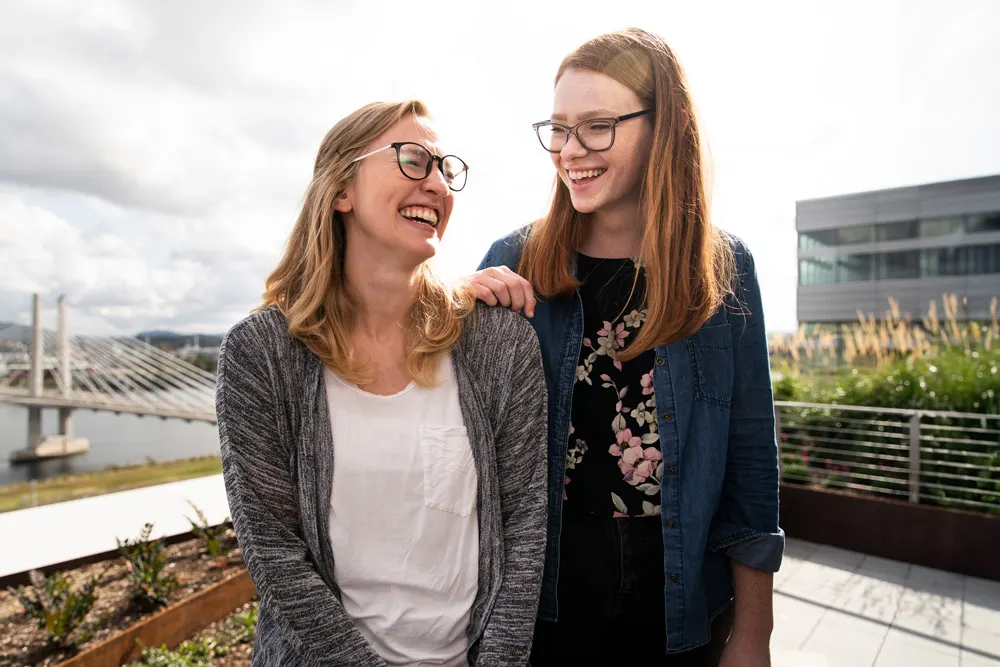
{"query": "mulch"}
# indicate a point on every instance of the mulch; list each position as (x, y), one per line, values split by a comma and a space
(23, 643)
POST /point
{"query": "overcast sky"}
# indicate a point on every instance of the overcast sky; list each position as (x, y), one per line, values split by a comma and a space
(153, 155)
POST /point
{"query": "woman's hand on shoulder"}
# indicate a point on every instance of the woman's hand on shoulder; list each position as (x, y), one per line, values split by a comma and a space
(498, 285)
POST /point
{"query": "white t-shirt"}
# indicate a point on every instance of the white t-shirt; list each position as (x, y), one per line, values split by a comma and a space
(403, 519)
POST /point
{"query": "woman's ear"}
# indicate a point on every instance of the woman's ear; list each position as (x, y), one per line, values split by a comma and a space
(343, 203)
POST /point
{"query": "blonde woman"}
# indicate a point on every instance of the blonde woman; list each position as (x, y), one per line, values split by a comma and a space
(383, 438)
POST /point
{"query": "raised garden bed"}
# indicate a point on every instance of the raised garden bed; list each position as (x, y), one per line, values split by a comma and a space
(225, 643)
(948, 539)
(115, 610)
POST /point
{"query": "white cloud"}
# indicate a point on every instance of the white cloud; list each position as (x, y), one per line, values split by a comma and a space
(153, 155)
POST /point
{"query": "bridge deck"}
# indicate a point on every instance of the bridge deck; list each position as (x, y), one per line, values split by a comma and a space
(84, 401)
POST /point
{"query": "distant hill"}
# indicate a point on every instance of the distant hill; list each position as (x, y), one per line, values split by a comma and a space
(14, 332)
(17, 333)
(176, 340)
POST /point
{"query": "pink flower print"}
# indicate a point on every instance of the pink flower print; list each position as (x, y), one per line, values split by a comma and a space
(611, 338)
(632, 454)
(625, 437)
(627, 464)
(620, 335)
(647, 383)
(636, 464)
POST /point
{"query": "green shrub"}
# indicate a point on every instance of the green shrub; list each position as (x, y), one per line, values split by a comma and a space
(212, 537)
(188, 654)
(146, 562)
(58, 610)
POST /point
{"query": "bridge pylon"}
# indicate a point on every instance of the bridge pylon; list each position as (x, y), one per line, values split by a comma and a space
(63, 444)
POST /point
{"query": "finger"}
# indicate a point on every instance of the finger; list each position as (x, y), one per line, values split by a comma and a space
(516, 290)
(529, 300)
(499, 288)
(522, 294)
(485, 294)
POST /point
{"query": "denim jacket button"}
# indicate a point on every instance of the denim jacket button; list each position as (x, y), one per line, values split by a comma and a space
(660, 361)
(673, 470)
(673, 578)
(670, 524)
(667, 417)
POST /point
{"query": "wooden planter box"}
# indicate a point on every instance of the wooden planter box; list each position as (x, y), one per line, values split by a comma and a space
(948, 539)
(24, 578)
(171, 626)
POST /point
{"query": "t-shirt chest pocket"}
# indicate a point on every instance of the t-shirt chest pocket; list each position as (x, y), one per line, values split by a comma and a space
(450, 480)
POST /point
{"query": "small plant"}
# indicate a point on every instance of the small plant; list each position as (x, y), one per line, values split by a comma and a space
(146, 562)
(212, 537)
(188, 654)
(58, 610)
(240, 628)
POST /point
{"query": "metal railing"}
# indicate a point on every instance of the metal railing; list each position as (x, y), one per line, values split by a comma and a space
(950, 459)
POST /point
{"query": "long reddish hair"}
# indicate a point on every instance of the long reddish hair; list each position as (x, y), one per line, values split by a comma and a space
(689, 262)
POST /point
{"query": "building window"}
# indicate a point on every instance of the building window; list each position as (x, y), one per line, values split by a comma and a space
(897, 231)
(899, 265)
(823, 238)
(984, 222)
(854, 268)
(941, 226)
(943, 262)
(984, 259)
(853, 235)
(817, 271)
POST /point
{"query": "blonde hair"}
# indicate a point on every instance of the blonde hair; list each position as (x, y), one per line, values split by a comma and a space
(690, 263)
(308, 285)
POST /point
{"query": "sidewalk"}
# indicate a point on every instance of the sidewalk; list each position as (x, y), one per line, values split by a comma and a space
(62, 531)
(835, 607)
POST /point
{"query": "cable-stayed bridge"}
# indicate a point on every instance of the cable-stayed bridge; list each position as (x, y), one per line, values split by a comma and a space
(121, 375)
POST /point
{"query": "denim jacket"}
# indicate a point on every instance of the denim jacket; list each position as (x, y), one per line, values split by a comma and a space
(719, 493)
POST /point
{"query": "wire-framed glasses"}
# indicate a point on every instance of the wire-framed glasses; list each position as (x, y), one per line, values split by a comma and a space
(595, 134)
(416, 162)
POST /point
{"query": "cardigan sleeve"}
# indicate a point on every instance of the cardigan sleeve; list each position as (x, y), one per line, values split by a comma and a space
(263, 500)
(521, 446)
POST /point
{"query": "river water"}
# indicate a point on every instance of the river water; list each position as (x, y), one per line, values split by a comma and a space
(114, 440)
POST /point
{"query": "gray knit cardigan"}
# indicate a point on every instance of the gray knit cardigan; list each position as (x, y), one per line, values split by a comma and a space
(278, 458)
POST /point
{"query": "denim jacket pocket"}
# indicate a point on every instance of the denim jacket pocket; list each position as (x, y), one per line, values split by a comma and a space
(711, 353)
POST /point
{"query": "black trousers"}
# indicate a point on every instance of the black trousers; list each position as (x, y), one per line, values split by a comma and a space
(611, 600)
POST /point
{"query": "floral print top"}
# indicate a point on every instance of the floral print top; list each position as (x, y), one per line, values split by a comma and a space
(614, 466)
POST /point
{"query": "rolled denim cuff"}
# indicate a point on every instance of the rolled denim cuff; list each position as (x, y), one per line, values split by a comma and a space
(761, 551)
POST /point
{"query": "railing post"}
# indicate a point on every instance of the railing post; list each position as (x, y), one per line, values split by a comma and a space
(915, 458)
(777, 422)
(777, 435)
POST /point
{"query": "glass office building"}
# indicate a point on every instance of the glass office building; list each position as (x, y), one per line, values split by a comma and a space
(913, 244)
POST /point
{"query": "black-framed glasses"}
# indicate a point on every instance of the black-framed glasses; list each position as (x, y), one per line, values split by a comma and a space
(416, 162)
(595, 134)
